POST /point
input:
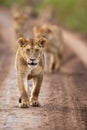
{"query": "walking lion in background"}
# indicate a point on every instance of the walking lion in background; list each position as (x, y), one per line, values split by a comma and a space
(54, 46)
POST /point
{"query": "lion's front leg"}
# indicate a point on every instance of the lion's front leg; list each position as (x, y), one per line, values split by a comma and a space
(24, 92)
(35, 91)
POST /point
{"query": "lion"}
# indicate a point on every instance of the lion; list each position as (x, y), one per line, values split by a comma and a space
(54, 46)
(30, 65)
(20, 18)
(20, 22)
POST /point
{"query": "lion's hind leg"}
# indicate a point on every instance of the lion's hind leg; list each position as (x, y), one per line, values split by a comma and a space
(58, 62)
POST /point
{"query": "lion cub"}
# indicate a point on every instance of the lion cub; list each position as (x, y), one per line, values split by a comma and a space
(54, 46)
(30, 65)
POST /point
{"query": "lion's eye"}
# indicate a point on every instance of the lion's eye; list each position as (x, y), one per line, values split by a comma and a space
(27, 50)
(37, 50)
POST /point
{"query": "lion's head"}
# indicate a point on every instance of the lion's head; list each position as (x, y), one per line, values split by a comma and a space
(32, 50)
(44, 30)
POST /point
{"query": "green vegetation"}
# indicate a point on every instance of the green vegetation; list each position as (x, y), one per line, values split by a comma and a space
(9, 2)
(70, 13)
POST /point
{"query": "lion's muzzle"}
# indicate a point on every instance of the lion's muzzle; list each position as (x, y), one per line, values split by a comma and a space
(32, 62)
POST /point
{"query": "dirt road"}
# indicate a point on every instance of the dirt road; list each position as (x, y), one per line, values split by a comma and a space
(63, 95)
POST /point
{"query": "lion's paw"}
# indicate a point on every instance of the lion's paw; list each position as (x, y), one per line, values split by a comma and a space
(23, 103)
(34, 103)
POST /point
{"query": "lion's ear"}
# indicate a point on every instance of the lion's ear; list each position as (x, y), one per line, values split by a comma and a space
(46, 28)
(22, 41)
(42, 42)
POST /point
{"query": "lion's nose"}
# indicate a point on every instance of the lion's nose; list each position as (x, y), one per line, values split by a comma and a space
(32, 59)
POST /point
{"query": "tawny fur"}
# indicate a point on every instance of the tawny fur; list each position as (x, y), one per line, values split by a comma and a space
(20, 21)
(54, 46)
(30, 65)
(20, 18)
